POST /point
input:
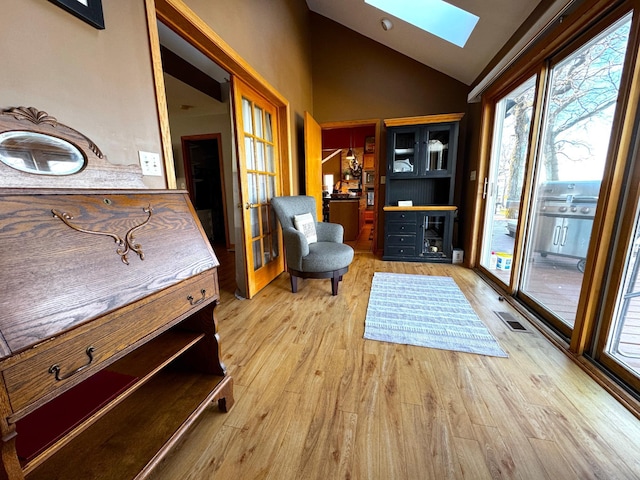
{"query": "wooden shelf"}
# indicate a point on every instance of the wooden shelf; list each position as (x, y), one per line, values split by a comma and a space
(420, 208)
(147, 364)
(423, 120)
(137, 433)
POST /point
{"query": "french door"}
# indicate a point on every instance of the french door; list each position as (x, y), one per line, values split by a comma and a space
(259, 177)
(543, 184)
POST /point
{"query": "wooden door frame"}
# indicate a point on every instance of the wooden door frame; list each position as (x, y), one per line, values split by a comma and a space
(186, 160)
(182, 20)
(378, 154)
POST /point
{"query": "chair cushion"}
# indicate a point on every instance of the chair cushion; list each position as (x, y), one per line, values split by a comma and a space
(327, 256)
(306, 224)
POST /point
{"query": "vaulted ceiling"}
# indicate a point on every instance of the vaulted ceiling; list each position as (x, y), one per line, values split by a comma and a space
(499, 19)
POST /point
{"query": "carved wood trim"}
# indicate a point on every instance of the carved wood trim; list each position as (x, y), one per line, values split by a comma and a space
(38, 117)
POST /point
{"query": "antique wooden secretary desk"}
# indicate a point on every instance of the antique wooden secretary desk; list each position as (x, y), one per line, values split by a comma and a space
(108, 348)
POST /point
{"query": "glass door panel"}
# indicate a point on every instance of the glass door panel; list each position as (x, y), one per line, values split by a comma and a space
(259, 179)
(433, 232)
(577, 123)
(404, 152)
(506, 177)
(438, 151)
(623, 343)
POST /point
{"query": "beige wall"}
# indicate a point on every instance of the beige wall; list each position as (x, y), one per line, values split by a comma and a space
(96, 81)
(100, 81)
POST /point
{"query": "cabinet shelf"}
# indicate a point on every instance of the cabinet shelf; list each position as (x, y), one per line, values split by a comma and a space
(404, 151)
(138, 424)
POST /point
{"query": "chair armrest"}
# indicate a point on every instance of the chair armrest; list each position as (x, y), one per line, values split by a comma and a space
(330, 232)
(295, 246)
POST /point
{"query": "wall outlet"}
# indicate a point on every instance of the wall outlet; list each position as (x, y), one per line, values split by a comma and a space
(150, 163)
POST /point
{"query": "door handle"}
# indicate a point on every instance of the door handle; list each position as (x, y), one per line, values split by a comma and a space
(565, 230)
(484, 188)
(556, 235)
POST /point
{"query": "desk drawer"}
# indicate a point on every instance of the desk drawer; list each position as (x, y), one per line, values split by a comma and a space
(401, 217)
(408, 240)
(401, 228)
(30, 380)
(400, 251)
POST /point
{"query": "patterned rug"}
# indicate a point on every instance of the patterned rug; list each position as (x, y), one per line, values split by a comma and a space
(426, 311)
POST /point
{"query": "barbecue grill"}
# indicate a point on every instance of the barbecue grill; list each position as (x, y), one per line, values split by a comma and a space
(565, 218)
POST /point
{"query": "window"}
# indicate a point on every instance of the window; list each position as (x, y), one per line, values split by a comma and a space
(440, 18)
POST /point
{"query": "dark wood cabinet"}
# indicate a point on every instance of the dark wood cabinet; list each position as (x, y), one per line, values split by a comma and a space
(421, 166)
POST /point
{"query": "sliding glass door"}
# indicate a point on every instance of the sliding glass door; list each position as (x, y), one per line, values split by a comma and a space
(622, 344)
(549, 150)
(577, 121)
(504, 183)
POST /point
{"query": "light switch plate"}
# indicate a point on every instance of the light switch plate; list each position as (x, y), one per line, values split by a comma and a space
(150, 163)
(472, 175)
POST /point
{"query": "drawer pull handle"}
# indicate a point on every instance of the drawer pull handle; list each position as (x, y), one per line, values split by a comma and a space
(55, 368)
(193, 301)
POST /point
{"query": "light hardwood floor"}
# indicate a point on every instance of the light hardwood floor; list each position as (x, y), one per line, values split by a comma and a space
(314, 400)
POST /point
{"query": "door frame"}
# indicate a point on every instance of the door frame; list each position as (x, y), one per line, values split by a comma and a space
(377, 194)
(183, 21)
(186, 159)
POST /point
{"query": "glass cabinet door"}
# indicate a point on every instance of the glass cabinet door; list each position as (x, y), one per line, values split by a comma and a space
(404, 152)
(436, 235)
(437, 151)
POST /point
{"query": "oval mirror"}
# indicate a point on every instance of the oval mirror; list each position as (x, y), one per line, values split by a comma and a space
(40, 154)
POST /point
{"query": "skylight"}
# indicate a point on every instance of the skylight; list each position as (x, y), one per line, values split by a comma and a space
(434, 16)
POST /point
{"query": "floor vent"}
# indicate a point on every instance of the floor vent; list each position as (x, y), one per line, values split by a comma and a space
(511, 322)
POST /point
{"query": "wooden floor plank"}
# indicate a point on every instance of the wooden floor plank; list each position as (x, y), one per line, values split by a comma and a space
(554, 464)
(471, 459)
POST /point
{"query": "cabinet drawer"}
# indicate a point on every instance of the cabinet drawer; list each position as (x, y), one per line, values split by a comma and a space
(30, 379)
(409, 240)
(400, 251)
(402, 228)
(401, 217)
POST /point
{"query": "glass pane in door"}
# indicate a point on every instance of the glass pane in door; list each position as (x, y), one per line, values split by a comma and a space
(623, 343)
(404, 151)
(506, 177)
(438, 150)
(576, 128)
(260, 173)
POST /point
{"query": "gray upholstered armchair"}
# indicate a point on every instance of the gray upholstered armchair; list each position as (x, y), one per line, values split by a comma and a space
(327, 257)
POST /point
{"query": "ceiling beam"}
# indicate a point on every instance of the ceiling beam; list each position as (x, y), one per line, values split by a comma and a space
(179, 68)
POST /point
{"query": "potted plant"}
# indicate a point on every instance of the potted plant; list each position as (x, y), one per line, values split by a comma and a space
(346, 175)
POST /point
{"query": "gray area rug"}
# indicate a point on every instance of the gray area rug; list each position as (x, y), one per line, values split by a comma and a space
(426, 311)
